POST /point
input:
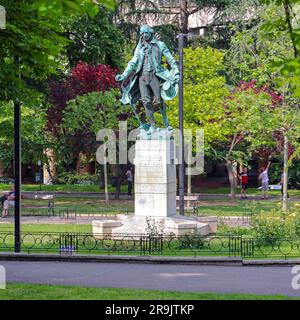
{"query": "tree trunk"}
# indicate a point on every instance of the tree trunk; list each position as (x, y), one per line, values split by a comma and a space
(232, 179)
(1, 168)
(50, 172)
(184, 17)
(285, 173)
(120, 174)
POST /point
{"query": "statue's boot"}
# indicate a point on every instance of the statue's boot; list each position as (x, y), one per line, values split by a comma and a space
(163, 111)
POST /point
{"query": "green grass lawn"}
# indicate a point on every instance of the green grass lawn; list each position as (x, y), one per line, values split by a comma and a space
(44, 228)
(81, 205)
(250, 191)
(227, 208)
(17, 291)
(219, 207)
(215, 207)
(96, 188)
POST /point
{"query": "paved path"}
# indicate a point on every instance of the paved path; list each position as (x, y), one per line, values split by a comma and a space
(220, 279)
(124, 196)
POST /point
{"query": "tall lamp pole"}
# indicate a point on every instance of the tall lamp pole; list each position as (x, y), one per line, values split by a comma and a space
(181, 41)
(17, 167)
(40, 173)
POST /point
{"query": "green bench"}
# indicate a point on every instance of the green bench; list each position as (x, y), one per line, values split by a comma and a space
(49, 205)
(190, 203)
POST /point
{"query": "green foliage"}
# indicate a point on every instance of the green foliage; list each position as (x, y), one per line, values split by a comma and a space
(224, 229)
(56, 8)
(204, 93)
(30, 50)
(243, 120)
(251, 116)
(72, 178)
(277, 224)
(93, 111)
(168, 33)
(33, 122)
(269, 51)
(275, 173)
(254, 51)
(95, 40)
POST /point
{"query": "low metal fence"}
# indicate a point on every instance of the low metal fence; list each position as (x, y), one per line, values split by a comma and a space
(171, 245)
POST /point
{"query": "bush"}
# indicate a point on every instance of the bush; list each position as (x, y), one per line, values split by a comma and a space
(77, 179)
(6, 180)
(275, 173)
(224, 229)
(277, 224)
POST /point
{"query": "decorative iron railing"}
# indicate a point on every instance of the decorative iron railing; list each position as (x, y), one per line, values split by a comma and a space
(134, 244)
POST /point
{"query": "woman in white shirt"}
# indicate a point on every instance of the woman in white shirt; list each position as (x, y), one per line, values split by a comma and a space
(264, 181)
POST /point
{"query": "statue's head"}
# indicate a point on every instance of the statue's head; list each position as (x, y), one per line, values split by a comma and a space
(146, 32)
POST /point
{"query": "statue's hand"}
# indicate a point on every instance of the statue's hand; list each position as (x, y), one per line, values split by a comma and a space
(177, 77)
(119, 78)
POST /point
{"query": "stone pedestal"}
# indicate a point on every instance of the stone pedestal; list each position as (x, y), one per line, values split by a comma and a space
(155, 195)
(155, 178)
(103, 229)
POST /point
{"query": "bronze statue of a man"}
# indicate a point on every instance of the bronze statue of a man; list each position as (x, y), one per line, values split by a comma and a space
(150, 81)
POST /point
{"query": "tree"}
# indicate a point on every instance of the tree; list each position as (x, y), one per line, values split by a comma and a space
(94, 40)
(268, 52)
(92, 112)
(234, 124)
(131, 13)
(252, 53)
(83, 79)
(289, 65)
(30, 48)
(204, 93)
(33, 122)
(250, 115)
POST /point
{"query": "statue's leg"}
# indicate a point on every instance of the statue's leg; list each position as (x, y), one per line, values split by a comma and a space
(163, 111)
(156, 88)
(146, 98)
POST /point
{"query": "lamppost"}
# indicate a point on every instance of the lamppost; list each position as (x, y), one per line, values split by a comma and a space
(40, 173)
(181, 40)
(18, 173)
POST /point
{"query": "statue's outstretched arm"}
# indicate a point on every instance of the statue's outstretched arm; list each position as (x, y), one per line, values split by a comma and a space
(132, 64)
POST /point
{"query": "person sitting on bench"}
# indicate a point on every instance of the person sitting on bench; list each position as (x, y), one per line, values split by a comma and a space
(4, 197)
(9, 202)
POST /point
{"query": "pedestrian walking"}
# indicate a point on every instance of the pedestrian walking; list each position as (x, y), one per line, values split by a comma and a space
(129, 181)
(244, 182)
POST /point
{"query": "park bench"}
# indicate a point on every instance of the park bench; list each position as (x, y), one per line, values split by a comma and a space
(49, 205)
(191, 202)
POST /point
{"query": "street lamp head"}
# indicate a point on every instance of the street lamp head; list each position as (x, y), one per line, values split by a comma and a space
(39, 163)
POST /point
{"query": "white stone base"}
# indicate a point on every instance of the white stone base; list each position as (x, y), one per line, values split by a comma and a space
(103, 228)
(132, 225)
(155, 178)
